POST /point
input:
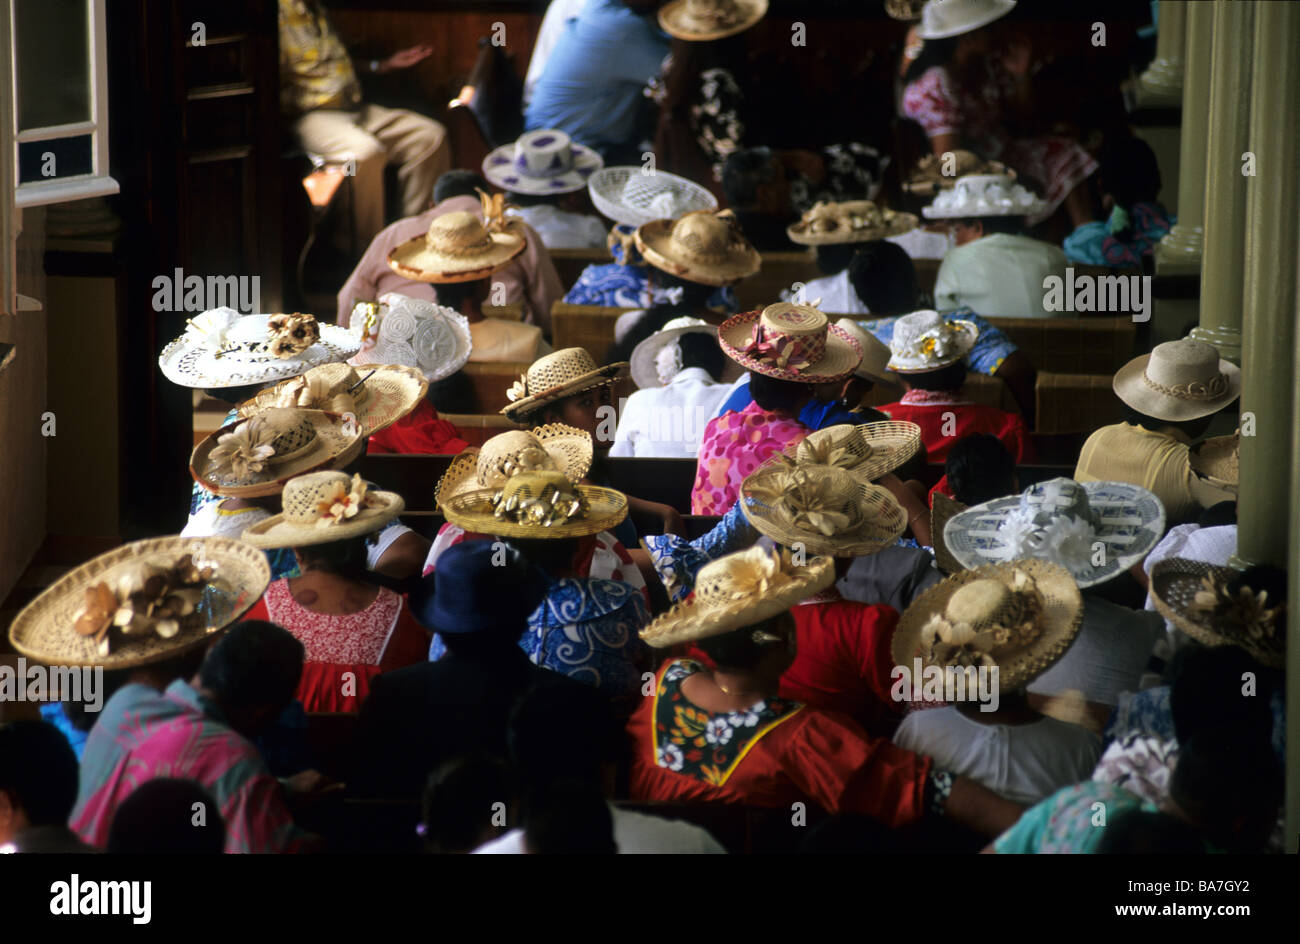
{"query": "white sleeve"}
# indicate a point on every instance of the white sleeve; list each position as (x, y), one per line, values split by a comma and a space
(383, 541)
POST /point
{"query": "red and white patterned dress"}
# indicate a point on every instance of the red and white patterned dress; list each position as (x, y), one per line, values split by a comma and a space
(734, 445)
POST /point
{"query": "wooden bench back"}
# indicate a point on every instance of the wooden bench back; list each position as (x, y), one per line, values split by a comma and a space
(491, 380)
(1072, 345)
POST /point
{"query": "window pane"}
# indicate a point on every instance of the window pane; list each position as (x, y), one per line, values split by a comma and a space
(51, 38)
(54, 159)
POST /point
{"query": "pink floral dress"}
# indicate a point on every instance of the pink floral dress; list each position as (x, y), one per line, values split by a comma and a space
(734, 445)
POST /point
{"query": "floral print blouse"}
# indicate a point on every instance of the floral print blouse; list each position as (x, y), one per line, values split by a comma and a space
(733, 446)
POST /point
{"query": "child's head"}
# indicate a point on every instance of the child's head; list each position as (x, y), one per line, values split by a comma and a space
(883, 277)
(980, 469)
(1128, 173)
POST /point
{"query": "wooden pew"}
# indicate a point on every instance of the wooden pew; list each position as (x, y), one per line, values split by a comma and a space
(588, 326)
(778, 271)
(569, 263)
(491, 380)
(1072, 345)
(475, 428)
(1075, 403)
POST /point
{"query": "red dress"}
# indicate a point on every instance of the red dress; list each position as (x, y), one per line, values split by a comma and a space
(772, 754)
(928, 409)
(382, 637)
(419, 431)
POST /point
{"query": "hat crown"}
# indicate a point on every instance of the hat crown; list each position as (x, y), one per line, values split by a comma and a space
(704, 237)
(911, 328)
(953, 17)
(791, 320)
(686, 321)
(1056, 498)
(713, 13)
(511, 453)
(1183, 363)
(545, 152)
(980, 602)
(306, 496)
(457, 234)
(558, 367)
(740, 576)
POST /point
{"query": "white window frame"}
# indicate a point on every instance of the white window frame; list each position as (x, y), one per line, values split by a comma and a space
(97, 183)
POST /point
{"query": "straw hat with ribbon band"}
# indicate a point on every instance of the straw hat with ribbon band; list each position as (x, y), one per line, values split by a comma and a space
(930, 177)
(790, 342)
(551, 448)
(541, 162)
(926, 340)
(738, 591)
(702, 246)
(322, 507)
(257, 456)
(560, 374)
(827, 511)
(1019, 617)
(1179, 380)
(704, 20)
(459, 247)
(983, 195)
(538, 506)
(1070, 523)
(221, 348)
(866, 451)
(378, 395)
(1217, 460)
(942, 19)
(853, 221)
(875, 354)
(1195, 597)
(413, 332)
(657, 359)
(142, 603)
(633, 197)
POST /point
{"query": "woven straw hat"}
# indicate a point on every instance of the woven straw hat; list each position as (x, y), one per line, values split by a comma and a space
(929, 177)
(905, 10)
(852, 221)
(645, 355)
(984, 195)
(737, 591)
(69, 623)
(221, 348)
(1020, 616)
(827, 511)
(702, 246)
(551, 448)
(537, 505)
(1218, 460)
(541, 162)
(413, 332)
(1194, 597)
(634, 196)
(1178, 380)
(704, 20)
(378, 395)
(941, 19)
(875, 353)
(325, 506)
(790, 342)
(257, 456)
(459, 247)
(1064, 521)
(866, 451)
(560, 374)
(926, 340)
(943, 508)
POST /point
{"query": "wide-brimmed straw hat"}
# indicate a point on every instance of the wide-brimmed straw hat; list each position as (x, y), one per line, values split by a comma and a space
(222, 348)
(560, 374)
(1096, 530)
(537, 506)
(702, 246)
(1178, 380)
(705, 20)
(1019, 616)
(790, 342)
(645, 356)
(941, 19)
(413, 332)
(866, 451)
(541, 162)
(255, 457)
(378, 395)
(460, 247)
(740, 590)
(926, 340)
(634, 195)
(942, 508)
(1194, 596)
(875, 354)
(554, 447)
(1218, 459)
(142, 603)
(984, 195)
(935, 172)
(851, 221)
(822, 509)
(322, 507)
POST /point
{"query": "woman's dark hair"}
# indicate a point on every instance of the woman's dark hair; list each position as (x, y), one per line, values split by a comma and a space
(346, 558)
(1229, 783)
(934, 52)
(948, 378)
(1129, 171)
(459, 802)
(695, 297)
(737, 649)
(453, 394)
(459, 183)
(1137, 832)
(1207, 691)
(980, 469)
(454, 294)
(560, 729)
(1218, 515)
(38, 770)
(553, 557)
(1010, 225)
(834, 257)
(1191, 428)
(883, 277)
(234, 395)
(254, 664)
(701, 350)
(158, 817)
(743, 173)
(771, 394)
(570, 818)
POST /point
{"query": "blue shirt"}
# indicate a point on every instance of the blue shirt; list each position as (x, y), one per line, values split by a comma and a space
(816, 414)
(592, 85)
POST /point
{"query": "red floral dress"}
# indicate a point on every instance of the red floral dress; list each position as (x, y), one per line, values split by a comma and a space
(733, 446)
(418, 432)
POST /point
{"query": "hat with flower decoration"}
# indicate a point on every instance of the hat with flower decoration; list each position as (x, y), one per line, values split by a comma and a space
(790, 342)
(926, 340)
(1217, 607)
(325, 506)
(540, 505)
(460, 247)
(554, 447)
(558, 375)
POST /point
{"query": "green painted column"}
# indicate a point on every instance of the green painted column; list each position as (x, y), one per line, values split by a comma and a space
(1180, 251)
(1162, 82)
(1222, 272)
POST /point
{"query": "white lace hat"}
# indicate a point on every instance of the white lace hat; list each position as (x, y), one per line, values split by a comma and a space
(926, 340)
(413, 332)
(983, 195)
(645, 356)
(634, 197)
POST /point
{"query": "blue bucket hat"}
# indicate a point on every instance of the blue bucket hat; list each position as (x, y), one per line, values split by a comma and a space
(479, 585)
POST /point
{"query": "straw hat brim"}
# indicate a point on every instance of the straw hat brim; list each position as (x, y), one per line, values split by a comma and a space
(197, 366)
(942, 508)
(688, 620)
(973, 210)
(892, 443)
(606, 509)
(1133, 390)
(879, 529)
(1130, 519)
(872, 368)
(43, 629)
(607, 189)
(965, 341)
(895, 225)
(500, 171)
(1217, 460)
(277, 531)
(332, 449)
(996, 10)
(391, 392)
(1175, 582)
(842, 356)
(572, 454)
(414, 259)
(674, 22)
(580, 384)
(644, 355)
(654, 242)
(1062, 617)
(923, 184)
